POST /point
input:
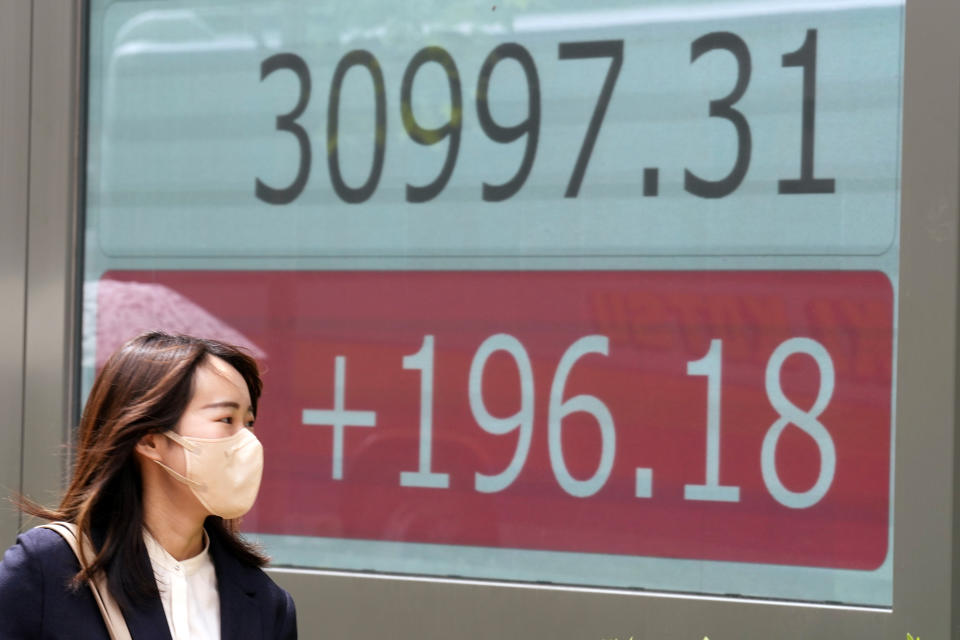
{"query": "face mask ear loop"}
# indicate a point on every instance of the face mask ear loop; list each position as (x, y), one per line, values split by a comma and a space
(176, 437)
(180, 440)
(179, 477)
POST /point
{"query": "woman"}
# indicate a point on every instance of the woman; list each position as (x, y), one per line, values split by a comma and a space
(165, 461)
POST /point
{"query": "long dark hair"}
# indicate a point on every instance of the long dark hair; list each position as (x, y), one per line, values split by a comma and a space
(143, 388)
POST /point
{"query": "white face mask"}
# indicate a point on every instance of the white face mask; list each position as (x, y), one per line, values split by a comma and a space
(224, 473)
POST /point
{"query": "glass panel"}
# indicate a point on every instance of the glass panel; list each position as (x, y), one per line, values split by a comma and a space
(589, 293)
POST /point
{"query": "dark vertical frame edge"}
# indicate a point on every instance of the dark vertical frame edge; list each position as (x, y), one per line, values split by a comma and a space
(74, 399)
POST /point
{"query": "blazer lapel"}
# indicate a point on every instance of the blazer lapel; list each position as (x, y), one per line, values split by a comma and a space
(148, 622)
(239, 614)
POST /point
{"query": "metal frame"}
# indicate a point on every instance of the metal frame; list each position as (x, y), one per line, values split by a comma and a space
(39, 176)
(927, 507)
(15, 23)
(52, 245)
(926, 568)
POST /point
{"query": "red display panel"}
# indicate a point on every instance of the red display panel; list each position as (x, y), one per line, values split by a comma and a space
(736, 416)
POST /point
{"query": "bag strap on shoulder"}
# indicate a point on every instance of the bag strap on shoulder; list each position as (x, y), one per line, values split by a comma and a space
(109, 609)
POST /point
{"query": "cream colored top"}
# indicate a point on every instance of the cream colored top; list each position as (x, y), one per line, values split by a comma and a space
(188, 591)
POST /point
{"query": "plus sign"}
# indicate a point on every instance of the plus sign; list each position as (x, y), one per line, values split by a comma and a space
(338, 417)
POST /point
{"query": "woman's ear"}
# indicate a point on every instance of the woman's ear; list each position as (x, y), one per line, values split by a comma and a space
(148, 446)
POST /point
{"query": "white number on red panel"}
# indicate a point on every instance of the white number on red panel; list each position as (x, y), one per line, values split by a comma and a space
(560, 407)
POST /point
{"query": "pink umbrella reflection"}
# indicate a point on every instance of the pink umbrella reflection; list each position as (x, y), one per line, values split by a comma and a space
(116, 311)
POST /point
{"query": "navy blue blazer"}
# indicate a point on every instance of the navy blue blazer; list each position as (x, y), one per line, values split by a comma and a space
(35, 602)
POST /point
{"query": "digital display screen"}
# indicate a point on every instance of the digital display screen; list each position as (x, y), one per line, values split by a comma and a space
(588, 293)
